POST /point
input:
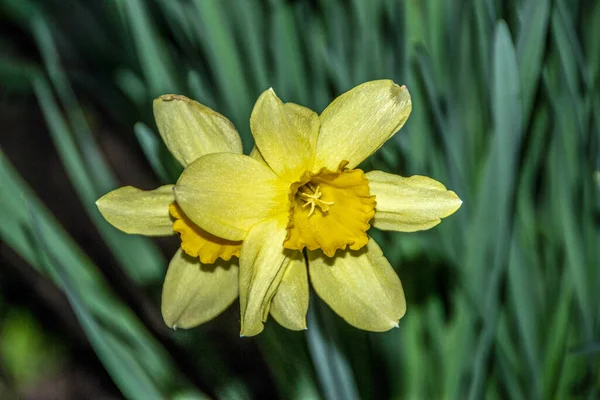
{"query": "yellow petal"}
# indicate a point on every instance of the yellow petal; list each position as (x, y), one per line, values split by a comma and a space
(360, 121)
(285, 134)
(338, 214)
(255, 153)
(410, 204)
(196, 242)
(191, 130)
(360, 286)
(290, 303)
(194, 293)
(263, 263)
(225, 194)
(144, 212)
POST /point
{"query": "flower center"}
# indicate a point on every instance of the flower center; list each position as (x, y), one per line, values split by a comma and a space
(312, 198)
(334, 227)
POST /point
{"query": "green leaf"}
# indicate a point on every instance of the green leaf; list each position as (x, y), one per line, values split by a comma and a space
(223, 56)
(291, 82)
(493, 219)
(333, 370)
(530, 49)
(151, 51)
(138, 364)
(152, 147)
(140, 258)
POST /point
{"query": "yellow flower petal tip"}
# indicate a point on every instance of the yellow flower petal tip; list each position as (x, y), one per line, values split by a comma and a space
(171, 97)
(196, 242)
(136, 211)
(290, 303)
(360, 286)
(285, 133)
(194, 293)
(191, 130)
(249, 332)
(360, 121)
(409, 204)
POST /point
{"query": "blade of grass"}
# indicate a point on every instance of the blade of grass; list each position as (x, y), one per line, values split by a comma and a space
(199, 89)
(133, 86)
(415, 359)
(530, 49)
(142, 260)
(497, 182)
(223, 56)
(127, 374)
(333, 371)
(131, 355)
(496, 200)
(83, 160)
(564, 171)
(368, 59)
(250, 29)
(289, 68)
(510, 366)
(152, 148)
(152, 53)
(293, 375)
(458, 337)
(523, 295)
(336, 52)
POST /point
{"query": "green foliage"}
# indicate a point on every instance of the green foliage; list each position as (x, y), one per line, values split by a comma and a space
(502, 296)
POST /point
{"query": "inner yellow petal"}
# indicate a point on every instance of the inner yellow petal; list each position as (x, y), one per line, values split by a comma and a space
(196, 242)
(330, 210)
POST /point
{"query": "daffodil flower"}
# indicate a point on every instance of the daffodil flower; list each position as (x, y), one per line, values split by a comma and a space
(302, 208)
(202, 278)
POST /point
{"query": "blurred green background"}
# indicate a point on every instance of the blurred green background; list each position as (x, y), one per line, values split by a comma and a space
(503, 297)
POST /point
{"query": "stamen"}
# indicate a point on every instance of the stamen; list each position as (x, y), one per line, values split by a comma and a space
(314, 199)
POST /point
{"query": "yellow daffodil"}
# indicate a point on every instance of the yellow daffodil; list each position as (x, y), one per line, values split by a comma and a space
(202, 278)
(299, 193)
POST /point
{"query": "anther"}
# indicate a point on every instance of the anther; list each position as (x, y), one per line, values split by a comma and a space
(314, 199)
